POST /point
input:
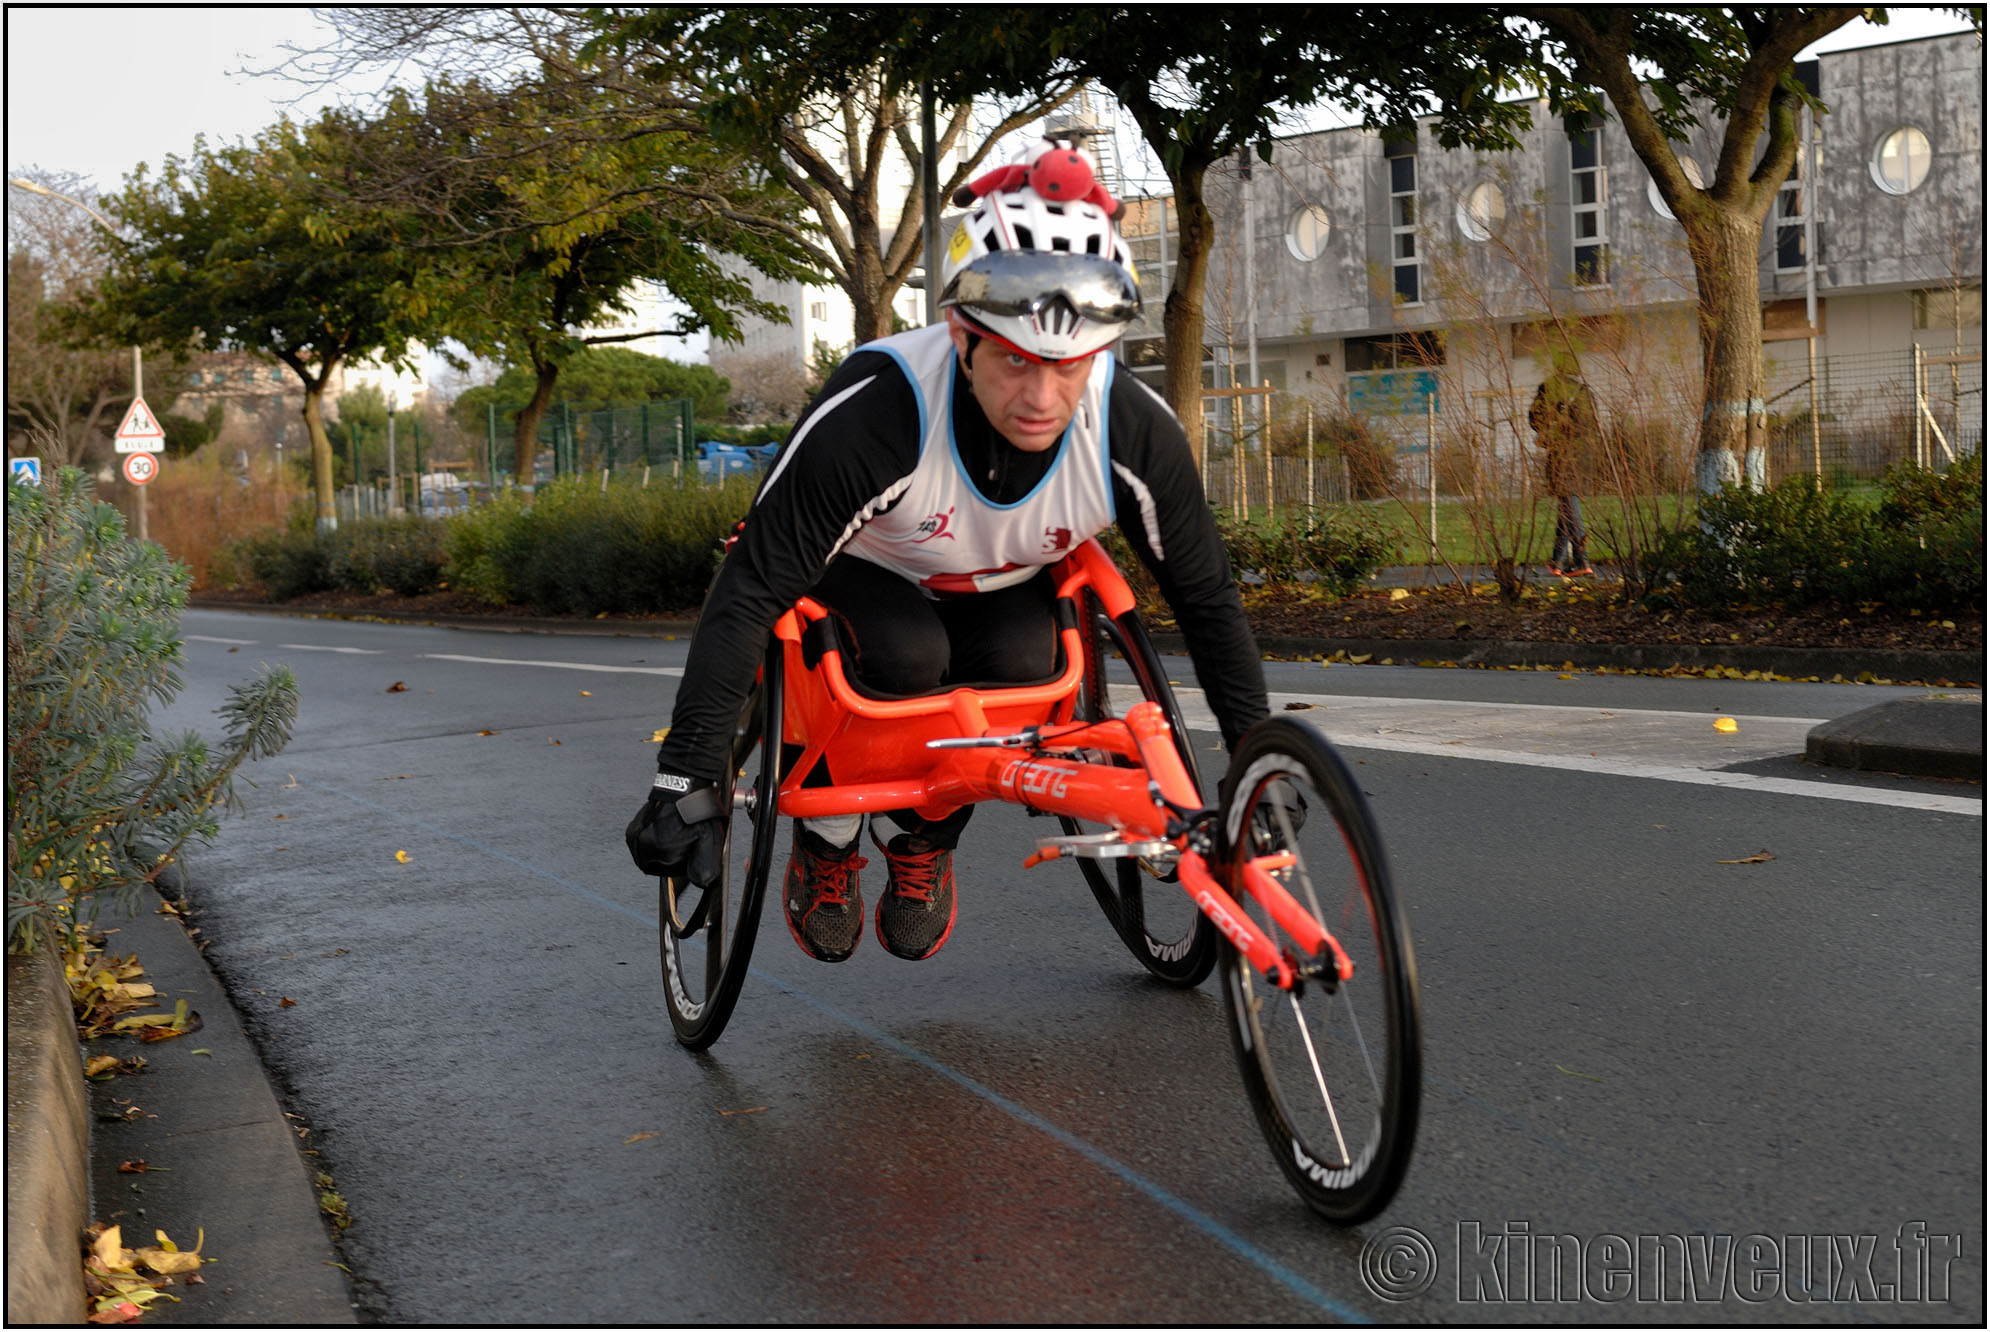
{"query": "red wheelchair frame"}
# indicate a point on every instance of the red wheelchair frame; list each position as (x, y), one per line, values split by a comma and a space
(1032, 745)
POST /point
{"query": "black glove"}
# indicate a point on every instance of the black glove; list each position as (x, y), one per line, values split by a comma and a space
(678, 833)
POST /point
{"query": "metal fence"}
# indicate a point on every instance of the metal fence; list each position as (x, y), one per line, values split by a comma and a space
(1843, 419)
(654, 436)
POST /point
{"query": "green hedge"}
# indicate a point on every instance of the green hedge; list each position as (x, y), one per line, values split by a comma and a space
(1920, 548)
(579, 549)
(367, 555)
(97, 802)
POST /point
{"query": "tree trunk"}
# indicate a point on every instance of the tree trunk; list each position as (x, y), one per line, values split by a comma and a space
(869, 298)
(322, 489)
(525, 430)
(1733, 435)
(1181, 318)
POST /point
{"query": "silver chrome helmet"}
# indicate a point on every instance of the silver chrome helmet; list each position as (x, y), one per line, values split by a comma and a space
(1051, 281)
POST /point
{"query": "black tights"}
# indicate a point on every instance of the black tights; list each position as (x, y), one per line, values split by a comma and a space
(900, 641)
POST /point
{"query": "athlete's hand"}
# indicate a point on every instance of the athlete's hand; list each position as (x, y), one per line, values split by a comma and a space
(678, 832)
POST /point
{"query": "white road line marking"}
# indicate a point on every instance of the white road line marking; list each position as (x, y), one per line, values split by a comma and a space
(1652, 744)
(316, 647)
(557, 665)
(208, 638)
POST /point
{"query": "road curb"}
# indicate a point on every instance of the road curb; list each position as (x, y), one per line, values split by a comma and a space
(1916, 737)
(48, 1146)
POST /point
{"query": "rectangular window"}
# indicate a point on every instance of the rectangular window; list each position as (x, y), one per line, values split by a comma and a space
(1395, 351)
(1941, 308)
(1793, 211)
(1588, 227)
(1402, 229)
(818, 311)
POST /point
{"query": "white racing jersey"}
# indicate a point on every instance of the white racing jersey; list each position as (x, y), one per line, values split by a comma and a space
(942, 532)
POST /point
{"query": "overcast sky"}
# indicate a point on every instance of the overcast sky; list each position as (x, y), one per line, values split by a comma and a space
(97, 90)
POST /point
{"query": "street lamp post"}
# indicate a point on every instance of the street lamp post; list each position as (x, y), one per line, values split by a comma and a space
(137, 355)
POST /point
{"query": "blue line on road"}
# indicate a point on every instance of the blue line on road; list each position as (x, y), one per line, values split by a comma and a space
(1201, 1220)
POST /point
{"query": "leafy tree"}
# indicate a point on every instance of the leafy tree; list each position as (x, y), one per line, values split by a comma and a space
(831, 145)
(540, 237)
(240, 248)
(1200, 82)
(598, 378)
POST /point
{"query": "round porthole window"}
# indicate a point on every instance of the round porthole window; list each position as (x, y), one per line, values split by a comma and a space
(1691, 170)
(1481, 211)
(1306, 235)
(1901, 161)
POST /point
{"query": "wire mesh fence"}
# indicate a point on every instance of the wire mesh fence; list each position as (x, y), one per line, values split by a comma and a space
(1843, 419)
(650, 437)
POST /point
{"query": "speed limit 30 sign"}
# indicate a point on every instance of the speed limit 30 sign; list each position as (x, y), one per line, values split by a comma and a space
(140, 468)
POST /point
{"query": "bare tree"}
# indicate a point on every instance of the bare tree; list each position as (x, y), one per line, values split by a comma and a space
(71, 395)
(770, 386)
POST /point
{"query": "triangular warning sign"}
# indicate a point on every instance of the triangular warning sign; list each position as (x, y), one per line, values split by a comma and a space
(139, 423)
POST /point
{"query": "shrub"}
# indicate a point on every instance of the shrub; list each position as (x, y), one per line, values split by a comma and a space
(584, 550)
(97, 804)
(1797, 543)
(403, 555)
(365, 555)
(1336, 548)
(286, 561)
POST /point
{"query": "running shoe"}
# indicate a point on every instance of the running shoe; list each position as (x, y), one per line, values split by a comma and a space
(825, 906)
(916, 913)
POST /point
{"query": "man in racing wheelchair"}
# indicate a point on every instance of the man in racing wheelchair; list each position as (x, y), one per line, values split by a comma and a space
(922, 499)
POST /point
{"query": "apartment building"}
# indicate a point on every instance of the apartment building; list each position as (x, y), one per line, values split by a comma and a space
(1372, 273)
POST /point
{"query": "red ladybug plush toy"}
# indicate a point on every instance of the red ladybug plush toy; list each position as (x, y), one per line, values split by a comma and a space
(1059, 171)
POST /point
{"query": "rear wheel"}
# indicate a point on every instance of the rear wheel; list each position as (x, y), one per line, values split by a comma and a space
(1143, 900)
(1333, 1067)
(704, 966)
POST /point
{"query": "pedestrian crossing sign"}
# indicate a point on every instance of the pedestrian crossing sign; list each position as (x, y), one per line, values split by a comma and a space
(140, 432)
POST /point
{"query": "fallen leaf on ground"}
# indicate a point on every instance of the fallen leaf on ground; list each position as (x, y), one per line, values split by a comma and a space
(97, 1065)
(290, 785)
(661, 732)
(1572, 1073)
(138, 1166)
(401, 856)
(1759, 858)
(750, 1110)
(587, 693)
(286, 1002)
(1298, 707)
(395, 688)
(487, 733)
(637, 1138)
(1727, 725)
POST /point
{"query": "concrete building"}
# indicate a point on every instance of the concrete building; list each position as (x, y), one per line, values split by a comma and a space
(1370, 275)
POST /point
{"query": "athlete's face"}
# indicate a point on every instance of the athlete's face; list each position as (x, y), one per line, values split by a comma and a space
(1028, 402)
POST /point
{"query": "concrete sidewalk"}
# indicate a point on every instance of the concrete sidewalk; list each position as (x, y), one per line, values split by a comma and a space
(225, 1159)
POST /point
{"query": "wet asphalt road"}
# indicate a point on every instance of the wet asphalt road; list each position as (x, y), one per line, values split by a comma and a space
(1623, 1036)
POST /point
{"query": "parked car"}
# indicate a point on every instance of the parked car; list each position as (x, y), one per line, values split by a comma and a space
(716, 461)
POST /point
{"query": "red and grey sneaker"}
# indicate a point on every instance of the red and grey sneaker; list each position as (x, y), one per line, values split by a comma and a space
(825, 907)
(916, 913)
